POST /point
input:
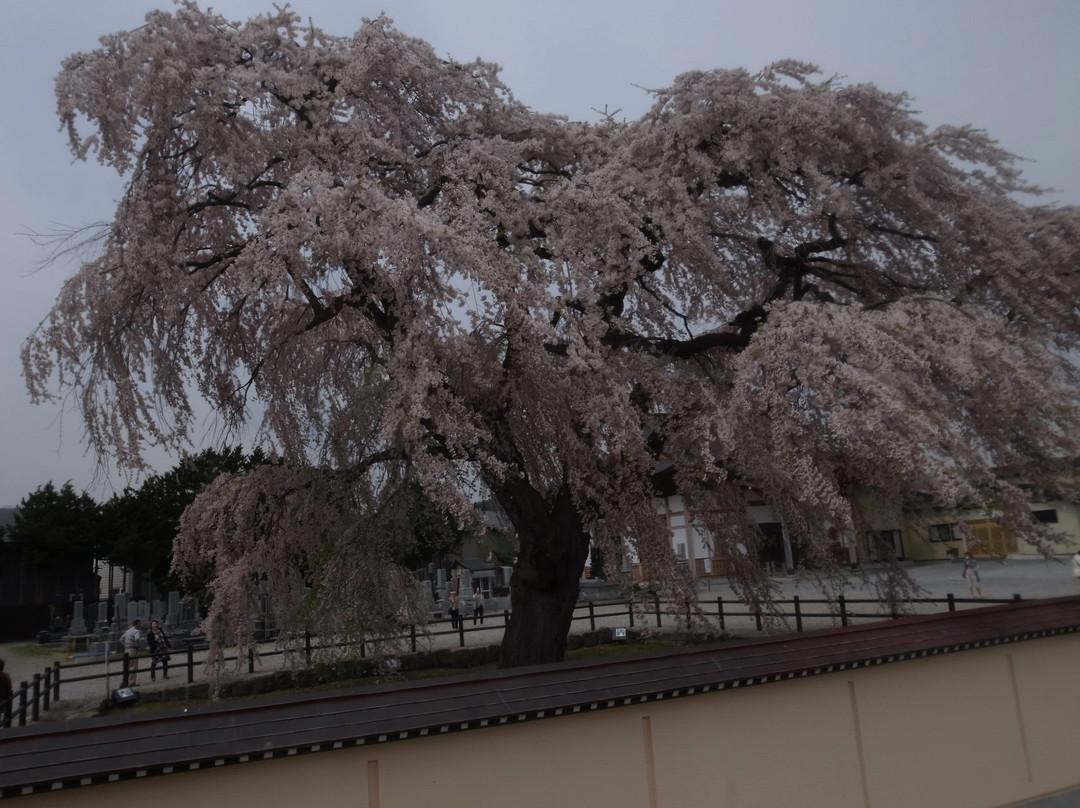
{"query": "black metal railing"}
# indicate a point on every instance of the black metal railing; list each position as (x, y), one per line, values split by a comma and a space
(33, 697)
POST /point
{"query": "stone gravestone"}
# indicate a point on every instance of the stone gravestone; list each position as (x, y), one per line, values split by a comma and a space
(132, 611)
(120, 611)
(425, 593)
(101, 624)
(172, 617)
(157, 611)
(189, 613)
(262, 622)
(78, 621)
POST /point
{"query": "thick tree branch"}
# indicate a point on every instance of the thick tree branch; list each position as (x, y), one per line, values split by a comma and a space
(880, 228)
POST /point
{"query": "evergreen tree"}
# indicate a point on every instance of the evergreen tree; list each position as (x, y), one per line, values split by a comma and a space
(58, 528)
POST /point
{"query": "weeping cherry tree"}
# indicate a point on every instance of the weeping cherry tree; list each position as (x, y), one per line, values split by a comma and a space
(772, 281)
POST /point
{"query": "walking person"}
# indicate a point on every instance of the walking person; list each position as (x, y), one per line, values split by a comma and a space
(971, 575)
(455, 610)
(160, 645)
(131, 640)
(477, 606)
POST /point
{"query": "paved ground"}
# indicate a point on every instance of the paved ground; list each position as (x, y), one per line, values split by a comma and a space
(1028, 577)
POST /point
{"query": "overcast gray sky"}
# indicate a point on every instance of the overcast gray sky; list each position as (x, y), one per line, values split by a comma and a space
(1012, 68)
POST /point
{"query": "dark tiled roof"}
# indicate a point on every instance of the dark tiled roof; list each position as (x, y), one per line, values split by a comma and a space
(100, 750)
(474, 564)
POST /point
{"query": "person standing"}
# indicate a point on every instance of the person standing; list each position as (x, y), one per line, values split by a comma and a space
(971, 575)
(131, 640)
(455, 610)
(477, 606)
(6, 692)
(159, 644)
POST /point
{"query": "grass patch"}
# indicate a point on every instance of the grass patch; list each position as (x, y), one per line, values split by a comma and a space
(438, 673)
(35, 650)
(615, 650)
(325, 682)
(157, 705)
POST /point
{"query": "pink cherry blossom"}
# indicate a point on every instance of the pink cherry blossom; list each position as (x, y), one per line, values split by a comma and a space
(771, 281)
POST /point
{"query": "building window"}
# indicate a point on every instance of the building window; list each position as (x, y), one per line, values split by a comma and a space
(883, 544)
(944, 532)
(1047, 516)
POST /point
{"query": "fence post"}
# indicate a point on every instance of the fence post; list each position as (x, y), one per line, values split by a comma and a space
(720, 611)
(307, 646)
(190, 661)
(125, 666)
(1016, 596)
(592, 617)
(412, 636)
(47, 692)
(22, 704)
(37, 697)
(657, 610)
(952, 601)
(251, 660)
(843, 611)
(798, 614)
(461, 632)
(630, 612)
(56, 681)
(757, 617)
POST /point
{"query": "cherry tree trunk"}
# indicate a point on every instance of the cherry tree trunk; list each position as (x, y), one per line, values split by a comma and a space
(547, 577)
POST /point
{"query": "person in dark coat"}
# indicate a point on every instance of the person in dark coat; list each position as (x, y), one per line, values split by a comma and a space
(6, 692)
(159, 644)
